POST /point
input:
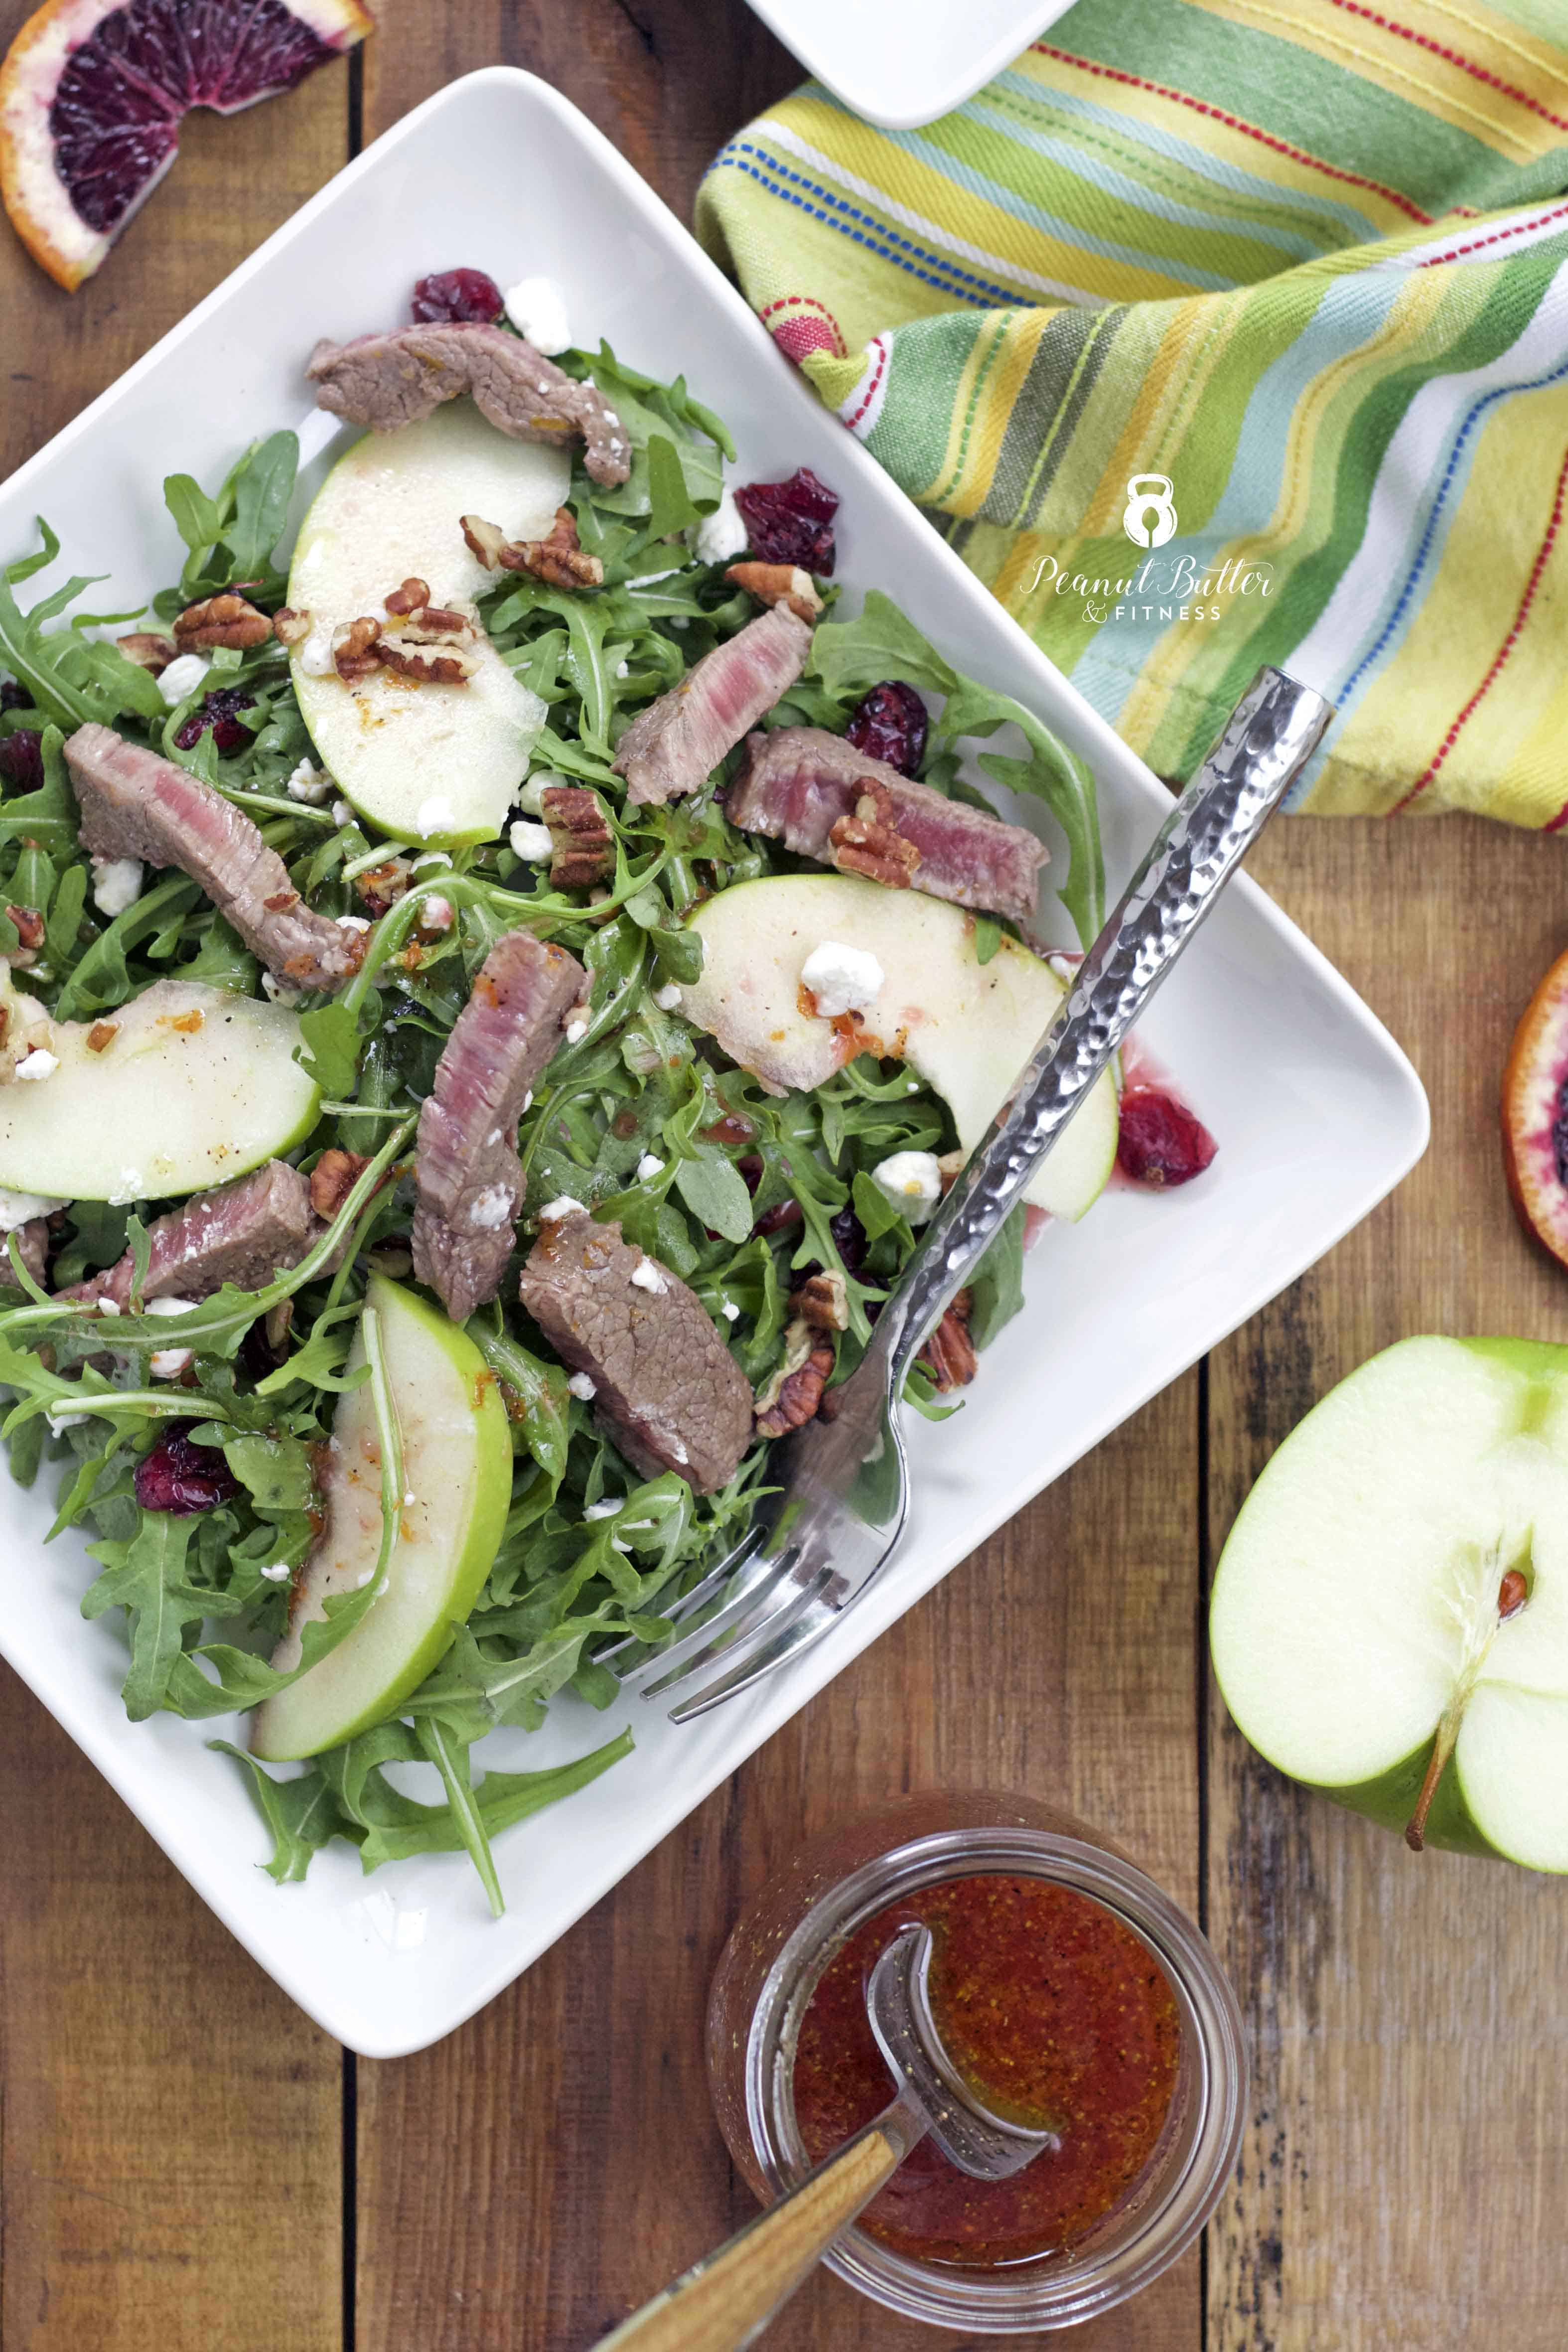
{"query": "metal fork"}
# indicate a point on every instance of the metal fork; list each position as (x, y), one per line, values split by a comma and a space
(818, 1542)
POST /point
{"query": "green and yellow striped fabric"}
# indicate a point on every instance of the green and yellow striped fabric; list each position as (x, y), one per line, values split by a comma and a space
(1292, 273)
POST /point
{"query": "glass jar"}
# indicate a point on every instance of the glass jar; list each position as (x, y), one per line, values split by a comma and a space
(769, 1969)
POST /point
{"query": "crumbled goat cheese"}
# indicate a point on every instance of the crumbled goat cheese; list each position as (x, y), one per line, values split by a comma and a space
(1063, 965)
(435, 814)
(912, 1181)
(182, 677)
(342, 814)
(278, 1573)
(60, 1421)
(730, 1311)
(536, 308)
(581, 1386)
(841, 979)
(531, 796)
(275, 989)
(38, 1064)
(622, 669)
(528, 1099)
(648, 1167)
(668, 998)
(491, 1208)
(353, 922)
(21, 1208)
(645, 1275)
(721, 536)
(116, 884)
(132, 1187)
(605, 1508)
(576, 1030)
(678, 621)
(108, 1307)
(168, 1363)
(563, 1205)
(315, 656)
(531, 841)
(438, 915)
(309, 783)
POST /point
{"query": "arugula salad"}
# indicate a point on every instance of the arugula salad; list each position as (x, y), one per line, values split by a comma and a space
(192, 1400)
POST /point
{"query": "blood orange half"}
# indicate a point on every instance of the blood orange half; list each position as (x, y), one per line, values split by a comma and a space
(93, 92)
(1536, 1114)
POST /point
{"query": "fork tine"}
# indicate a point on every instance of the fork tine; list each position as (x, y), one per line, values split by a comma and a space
(686, 1604)
(750, 1583)
(789, 1631)
(773, 1612)
(736, 1622)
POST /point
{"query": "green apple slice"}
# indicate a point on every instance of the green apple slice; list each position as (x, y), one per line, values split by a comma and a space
(965, 1027)
(1390, 1613)
(191, 1085)
(457, 1466)
(423, 762)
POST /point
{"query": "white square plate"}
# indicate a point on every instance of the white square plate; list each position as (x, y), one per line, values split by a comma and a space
(1317, 1112)
(903, 62)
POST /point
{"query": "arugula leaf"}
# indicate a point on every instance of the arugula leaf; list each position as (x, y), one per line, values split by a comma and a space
(715, 1191)
(263, 485)
(331, 1047)
(146, 1577)
(301, 1813)
(996, 1284)
(197, 517)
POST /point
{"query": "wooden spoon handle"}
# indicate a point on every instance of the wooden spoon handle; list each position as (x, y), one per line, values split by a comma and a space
(723, 2302)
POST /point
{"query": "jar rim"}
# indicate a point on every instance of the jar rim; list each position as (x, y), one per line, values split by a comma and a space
(1055, 2291)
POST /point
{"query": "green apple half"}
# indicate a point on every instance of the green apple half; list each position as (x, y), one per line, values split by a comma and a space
(195, 1084)
(1390, 1613)
(457, 1466)
(423, 762)
(965, 1027)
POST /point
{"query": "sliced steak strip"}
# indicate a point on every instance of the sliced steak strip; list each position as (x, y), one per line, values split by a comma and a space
(245, 1232)
(669, 1392)
(823, 799)
(136, 804)
(385, 380)
(469, 1176)
(32, 1248)
(674, 745)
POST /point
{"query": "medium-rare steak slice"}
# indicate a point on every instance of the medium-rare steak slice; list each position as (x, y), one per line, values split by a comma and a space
(385, 380)
(668, 1391)
(674, 746)
(469, 1176)
(243, 1232)
(32, 1248)
(823, 799)
(135, 803)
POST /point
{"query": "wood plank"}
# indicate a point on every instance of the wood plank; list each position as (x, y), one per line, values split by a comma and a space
(1405, 2141)
(668, 80)
(171, 2149)
(585, 2165)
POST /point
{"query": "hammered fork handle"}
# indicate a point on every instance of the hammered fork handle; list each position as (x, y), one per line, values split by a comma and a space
(1271, 733)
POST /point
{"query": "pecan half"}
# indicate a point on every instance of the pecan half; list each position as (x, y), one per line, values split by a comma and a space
(582, 850)
(332, 1180)
(869, 843)
(431, 644)
(102, 1035)
(412, 597)
(226, 620)
(557, 559)
(30, 930)
(794, 1393)
(486, 540)
(149, 649)
(779, 583)
(949, 1353)
(822, 1301)
(353, 648)
(380, 887)
(290, 628)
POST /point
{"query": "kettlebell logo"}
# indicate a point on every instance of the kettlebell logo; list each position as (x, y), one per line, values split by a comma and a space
(1149, 519)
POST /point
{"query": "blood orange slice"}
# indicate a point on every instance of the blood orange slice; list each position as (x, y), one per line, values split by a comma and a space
(1536, 1114)
(93, 92)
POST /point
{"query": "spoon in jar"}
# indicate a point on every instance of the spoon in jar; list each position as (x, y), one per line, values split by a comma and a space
(725, 2301)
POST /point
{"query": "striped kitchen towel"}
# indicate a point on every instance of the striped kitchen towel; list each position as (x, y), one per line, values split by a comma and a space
(1216, 332)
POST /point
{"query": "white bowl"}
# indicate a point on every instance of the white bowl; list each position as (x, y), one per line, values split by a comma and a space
(1317, 1112)
(903, 62)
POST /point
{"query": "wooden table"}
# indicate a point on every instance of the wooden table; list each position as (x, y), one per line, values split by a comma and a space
(188, 2166)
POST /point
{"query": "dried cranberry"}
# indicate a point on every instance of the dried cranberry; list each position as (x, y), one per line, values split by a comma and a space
(182, 1478)
(851, 1240)
(1160, 1142)
(792, 522)
(891, 723)
(456, 296)
(13, 696)
(779, 1218)
(753, 1167)
(220, 712)
(22, 759)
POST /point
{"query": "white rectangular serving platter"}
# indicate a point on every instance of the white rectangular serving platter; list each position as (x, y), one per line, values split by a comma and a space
(1317, 1112)
(902, 63)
